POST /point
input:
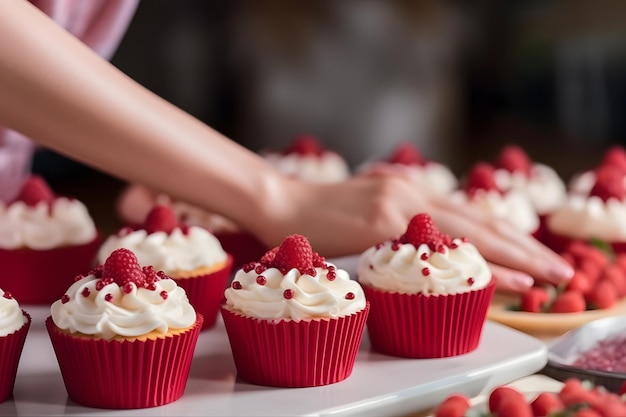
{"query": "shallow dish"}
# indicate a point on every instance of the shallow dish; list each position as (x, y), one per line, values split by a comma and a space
(569, 347)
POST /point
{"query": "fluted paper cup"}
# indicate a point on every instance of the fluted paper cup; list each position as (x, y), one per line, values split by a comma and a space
(243, 246)
(11, 347)
(42, 276)
(427, 326)
(124, 374)
(289, 353)
(206, 292)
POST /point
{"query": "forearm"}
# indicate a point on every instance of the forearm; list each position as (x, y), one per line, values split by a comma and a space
(56, 91)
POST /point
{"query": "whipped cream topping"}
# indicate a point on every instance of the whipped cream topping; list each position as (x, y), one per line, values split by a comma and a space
(11, 316)
(407, 269)
(513, 207)
(326, 168)
(582, 182)
(171, 253)
(585, 217)
(109, 311)
(45, 226)
(297, 296)
(545, 189)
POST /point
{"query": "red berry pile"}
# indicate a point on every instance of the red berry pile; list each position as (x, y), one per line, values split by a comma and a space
(160, 219)
(575, 399)
(407, 154)
(421, 229)
(514, 159)
(481, 177)
(599, 282)
(305, 145)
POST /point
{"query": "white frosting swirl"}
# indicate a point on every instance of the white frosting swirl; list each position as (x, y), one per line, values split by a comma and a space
(545, 189)
(513, 207)
(172, 252)
(402, 270)
(313, 296)
(433, 177)
(11, 316)
(45, 226)
(325, 168)
(127, 315)
(583, 217)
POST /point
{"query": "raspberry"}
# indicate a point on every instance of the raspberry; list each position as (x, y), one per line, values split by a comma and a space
(268, 257)
(160, 219)
(513, 159)
(580, 281)
(602, 295)
(407, 154)
(422, 229)
(609, 184)
(305, 145)
(570, 301)
(546, 403)
(35, 190)
(534, 300)
(615, 157)
(506, 397)
(294, 253)
(615, 274)
(480, 178)
(123, 267)
(454, 405)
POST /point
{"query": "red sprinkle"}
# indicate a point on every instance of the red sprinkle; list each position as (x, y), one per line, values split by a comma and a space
(85, 292)
(78, 277)
(108, 297)
(100, 285)
(65, 298)
(425, 272)
(236, 285)
(163, 294)
(441, 249)
(470, 281)
(261, 280)
(395, 246)
(288, 293)
(454, 245)
(424, 256)
(260, 269)
(464, 239)
(7, 295)
(332, 275)
(248, 267)
(350, 296)
(127, 288)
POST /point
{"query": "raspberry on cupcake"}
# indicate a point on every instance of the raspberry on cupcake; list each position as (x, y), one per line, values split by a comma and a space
(305, 315)
(114, 331)
(45, 240)
(481, 190)
(191, 255)
(429, 293)
(583, 182)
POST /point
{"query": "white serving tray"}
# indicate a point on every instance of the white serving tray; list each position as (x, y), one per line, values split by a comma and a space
(379, 384)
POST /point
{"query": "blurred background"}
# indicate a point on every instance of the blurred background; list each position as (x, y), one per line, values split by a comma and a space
(459, 78)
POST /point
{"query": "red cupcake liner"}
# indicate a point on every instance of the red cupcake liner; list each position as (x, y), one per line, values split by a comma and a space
(124, 374)
(289, 353)
(243, 246)
(427, 326)
(42, 276)
(206, 292)
(11, 347)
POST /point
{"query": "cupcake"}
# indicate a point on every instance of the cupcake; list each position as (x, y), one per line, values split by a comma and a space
(45, 240)
(307, 160)
(305, 316)
(191, 255)
(124, 336)
(14, 325)
(514, 170)
(481, 191)
(582, 182)
(429, 293)
(427, 175)
(599, 215)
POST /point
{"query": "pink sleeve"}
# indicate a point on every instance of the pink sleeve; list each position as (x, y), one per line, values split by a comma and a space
(100, 24)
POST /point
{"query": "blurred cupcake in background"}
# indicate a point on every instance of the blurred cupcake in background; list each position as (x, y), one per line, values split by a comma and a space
(481, 191)
(45, 240)
(427, 175)
(191, 255)
(514, 170)
(582, 182)
(308, 160)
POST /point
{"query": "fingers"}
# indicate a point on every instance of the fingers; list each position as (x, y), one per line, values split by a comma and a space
(511, 280)
(501, 244)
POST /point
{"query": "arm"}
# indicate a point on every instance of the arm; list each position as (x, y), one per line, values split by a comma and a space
(61, 94)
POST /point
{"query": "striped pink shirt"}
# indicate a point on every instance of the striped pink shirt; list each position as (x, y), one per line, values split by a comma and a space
(100, 24)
